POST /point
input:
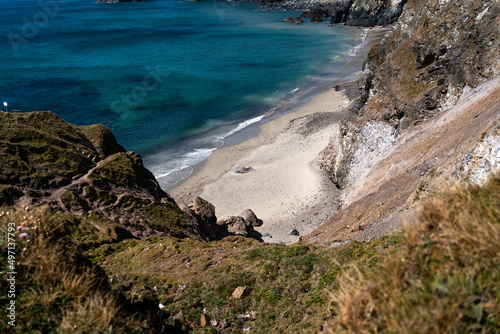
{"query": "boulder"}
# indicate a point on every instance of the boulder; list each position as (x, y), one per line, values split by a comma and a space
(201, 215)
(288, 20)
(238, 293)
(250, 217)
(297, 20)
(234, 225)
(203, 320)
(293, 232)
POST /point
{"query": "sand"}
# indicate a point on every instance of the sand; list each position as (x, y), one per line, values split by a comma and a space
(286, 188)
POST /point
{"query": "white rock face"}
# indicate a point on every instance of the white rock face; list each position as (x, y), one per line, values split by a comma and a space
(484, 160)
(376, 140)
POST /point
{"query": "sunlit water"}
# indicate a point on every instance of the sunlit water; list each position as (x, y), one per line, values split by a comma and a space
(172, 79)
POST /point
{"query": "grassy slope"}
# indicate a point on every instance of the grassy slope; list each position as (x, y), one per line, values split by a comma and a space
(72, 274)
(444, 277)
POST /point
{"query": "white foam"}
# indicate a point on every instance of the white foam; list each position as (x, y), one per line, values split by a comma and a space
(355, 49)
(187, 160)
(243, 125)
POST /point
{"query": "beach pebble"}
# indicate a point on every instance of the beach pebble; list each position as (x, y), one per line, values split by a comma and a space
(267, 235)
(293, 232)
(243, 170)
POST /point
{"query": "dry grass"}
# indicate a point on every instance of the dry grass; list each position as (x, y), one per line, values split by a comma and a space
(56, 289)
(445, 279)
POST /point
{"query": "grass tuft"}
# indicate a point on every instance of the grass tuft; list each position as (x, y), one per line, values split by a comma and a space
(445, 278)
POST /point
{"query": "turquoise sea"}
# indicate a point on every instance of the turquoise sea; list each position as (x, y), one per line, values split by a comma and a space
(173, 79)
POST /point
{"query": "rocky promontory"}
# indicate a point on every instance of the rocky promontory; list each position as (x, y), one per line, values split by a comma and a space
(83, 171)
(366, 13)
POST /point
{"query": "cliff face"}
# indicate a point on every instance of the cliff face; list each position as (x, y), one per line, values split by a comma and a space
(436, 50)
(413, 123)
(85, 172)
(366, 13)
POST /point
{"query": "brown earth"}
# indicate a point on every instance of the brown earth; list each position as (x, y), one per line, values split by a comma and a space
(421, 159)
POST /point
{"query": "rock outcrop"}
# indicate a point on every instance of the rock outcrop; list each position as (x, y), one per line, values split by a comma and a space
(439, 53)
(367, 13)
(482, 162)
(201, 215)
(435, 51)
(83, 171)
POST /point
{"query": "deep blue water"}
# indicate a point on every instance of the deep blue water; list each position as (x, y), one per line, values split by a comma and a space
(170, 78)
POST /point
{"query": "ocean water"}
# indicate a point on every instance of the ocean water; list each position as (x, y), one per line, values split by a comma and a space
(172, 79)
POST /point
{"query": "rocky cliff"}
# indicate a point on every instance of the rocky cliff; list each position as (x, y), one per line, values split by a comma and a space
(367, 13)
(441, 59)
(83, 171)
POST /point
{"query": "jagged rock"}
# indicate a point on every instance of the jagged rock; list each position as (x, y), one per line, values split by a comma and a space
(366, 13)
(316, 14)
(293, 232)
(86, 171)
(297, 20)
(250, 217)
(238, 293)
(483, 161)
(234, 225)
(201, 213)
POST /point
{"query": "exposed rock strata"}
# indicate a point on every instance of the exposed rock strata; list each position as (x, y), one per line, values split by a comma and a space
(419, 162)
(422, 68)
(438, 53)
(483, 161)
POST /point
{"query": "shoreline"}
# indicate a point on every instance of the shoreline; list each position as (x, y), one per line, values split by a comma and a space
(286, 185)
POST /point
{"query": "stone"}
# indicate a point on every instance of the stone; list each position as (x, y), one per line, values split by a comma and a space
(243, 170)
(250, 217)
(238, 293)
(179, 316)
(234, 225)
(288, 20)
(293, 232)
(213, 323)
(267, 235)
(297, 20)
(200, 214)
(249, 315)
(203, 320)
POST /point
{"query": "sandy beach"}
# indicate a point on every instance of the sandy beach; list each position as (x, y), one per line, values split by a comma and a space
(286, 188)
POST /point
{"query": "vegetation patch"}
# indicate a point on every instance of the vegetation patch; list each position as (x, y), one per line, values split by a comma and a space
(445, 278)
